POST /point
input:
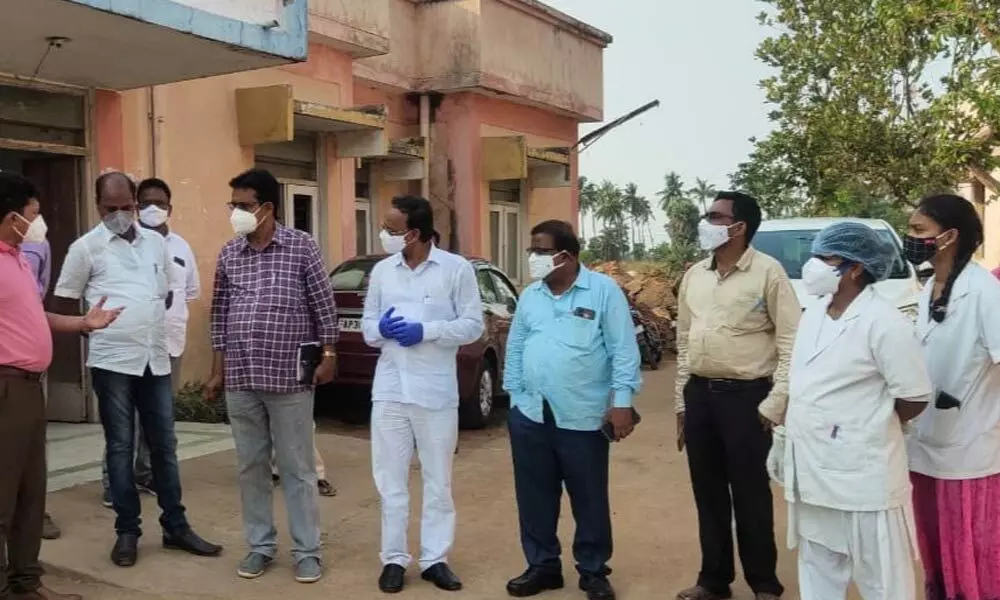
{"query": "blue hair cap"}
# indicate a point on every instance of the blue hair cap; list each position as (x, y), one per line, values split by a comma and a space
(857, 243)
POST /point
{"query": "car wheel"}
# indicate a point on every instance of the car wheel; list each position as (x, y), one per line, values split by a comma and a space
(475, 412)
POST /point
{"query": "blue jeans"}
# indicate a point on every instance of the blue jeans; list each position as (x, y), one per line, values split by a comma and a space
(545, 458)
(119, 398)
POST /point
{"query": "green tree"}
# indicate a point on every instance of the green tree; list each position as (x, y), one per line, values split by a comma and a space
(703, 191)
(673, 189)
(640, 213)
(612, 211)
(886, 98)
(588, 203)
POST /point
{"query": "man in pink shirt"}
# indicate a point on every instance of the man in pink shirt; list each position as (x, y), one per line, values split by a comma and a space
(25, 354)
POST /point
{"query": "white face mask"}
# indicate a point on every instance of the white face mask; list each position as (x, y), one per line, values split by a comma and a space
(119, 221)
(819, 278)
(35, 234)
(712, 236)
(392, 244)
(153, 216)
(541, 266)
(243, 222)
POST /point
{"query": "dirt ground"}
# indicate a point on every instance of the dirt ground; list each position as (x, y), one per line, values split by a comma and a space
(656, 550)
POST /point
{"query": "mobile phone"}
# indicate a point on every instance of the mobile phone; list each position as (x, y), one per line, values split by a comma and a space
(609, 430)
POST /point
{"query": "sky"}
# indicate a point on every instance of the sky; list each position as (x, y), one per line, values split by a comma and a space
(696, 58)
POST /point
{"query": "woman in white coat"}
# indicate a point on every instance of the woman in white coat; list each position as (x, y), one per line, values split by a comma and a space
(954, 447)
(856, 375)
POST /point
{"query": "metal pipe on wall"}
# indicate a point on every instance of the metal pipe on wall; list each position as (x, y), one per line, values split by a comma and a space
(425, 132)
(154, 132)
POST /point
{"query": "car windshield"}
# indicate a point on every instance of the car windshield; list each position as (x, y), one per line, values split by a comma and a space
(792, 249)
(352, 275)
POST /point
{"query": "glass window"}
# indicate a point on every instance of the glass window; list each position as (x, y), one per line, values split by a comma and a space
(792, 248)
(505, 290)
(302, 212)
(361, 231)
(486, 289)
(495, 254)
(513, 239)
(352, 275)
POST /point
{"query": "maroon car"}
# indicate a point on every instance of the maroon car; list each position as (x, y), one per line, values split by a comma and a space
(480, 364)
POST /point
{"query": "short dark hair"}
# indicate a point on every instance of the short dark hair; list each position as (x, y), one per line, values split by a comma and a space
(104, 178)
(563, 236)
(746, 209)
(264, 185)
(418, 213)
(154, 183)
(16, 192)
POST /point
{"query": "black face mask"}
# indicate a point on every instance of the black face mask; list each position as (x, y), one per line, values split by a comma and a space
(919, 250)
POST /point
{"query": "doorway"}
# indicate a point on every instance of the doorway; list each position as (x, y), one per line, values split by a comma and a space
(58, 179)
(300, 208)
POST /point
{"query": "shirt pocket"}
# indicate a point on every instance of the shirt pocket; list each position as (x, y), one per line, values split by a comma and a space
(577, 332)
(839, 445)
(438, 307)
(748, 312)
(283, 290)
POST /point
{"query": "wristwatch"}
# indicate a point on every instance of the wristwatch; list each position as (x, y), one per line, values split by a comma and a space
(329, 354)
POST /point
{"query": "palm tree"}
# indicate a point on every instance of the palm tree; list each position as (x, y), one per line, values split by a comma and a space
(611, 210)
(704, 191)
(673, 189)
(588, 203)
(639, 210)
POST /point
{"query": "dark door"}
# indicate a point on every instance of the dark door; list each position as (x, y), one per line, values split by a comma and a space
(58, 182)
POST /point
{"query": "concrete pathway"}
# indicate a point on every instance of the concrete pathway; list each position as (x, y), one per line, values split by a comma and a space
(77, 449)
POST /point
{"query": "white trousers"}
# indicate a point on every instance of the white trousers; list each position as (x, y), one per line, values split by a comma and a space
(872, 548)
(396, 428)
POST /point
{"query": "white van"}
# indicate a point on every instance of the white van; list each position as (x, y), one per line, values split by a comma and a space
(790, 242)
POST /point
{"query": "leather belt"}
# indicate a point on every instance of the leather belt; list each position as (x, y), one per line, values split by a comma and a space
(723, 385)
(15, 373)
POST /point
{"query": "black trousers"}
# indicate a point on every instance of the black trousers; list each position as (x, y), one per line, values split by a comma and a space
(546, 457)
(727, 450)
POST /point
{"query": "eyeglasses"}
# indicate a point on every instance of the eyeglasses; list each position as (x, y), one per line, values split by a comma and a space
(543, 251)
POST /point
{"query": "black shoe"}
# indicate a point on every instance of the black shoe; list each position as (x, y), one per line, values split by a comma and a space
(597, 588)
(190, 542)
(126, 550)
(534, 581)
(442, 576)
(391, 580)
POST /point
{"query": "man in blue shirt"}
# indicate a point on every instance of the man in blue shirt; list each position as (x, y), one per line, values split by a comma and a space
(572, 366)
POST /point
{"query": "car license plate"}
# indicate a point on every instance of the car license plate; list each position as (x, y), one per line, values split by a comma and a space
(639, 329)
(350, 325)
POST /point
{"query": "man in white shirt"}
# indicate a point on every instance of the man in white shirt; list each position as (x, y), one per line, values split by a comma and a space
(422, 304)
(857, 374)
(129, 362)
(155, 209)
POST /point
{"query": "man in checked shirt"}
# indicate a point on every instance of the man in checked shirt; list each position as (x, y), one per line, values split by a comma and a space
(271, 295)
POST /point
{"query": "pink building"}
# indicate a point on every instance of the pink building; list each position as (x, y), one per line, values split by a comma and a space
(473, 103)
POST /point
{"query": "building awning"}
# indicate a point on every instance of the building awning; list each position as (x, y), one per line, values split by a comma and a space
(405, 160)
(127, 45)
(549, 167)
(511, 158)
(272, 114)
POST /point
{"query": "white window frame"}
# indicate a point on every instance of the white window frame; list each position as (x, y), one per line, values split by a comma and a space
(503, 210)
(364, 204)
(289, 191)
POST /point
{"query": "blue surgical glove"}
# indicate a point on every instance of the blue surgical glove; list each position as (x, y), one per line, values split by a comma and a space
(388, 322)
(409, 333)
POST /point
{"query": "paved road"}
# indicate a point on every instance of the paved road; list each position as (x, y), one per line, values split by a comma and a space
(655, 531)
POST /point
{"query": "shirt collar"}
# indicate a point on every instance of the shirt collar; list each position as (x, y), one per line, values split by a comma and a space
(434, 256)
(582, 281)
(109, 235)
(282, 237)
(743, 264)
(8, 249)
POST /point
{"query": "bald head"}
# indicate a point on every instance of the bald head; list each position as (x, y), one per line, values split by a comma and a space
(115, 191)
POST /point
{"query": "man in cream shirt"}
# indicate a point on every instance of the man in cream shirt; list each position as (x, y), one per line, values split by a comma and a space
(422, 304)
(737, 315)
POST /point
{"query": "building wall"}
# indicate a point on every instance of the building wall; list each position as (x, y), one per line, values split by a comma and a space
(192, 143)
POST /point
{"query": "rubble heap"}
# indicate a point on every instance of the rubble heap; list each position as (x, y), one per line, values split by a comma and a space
(650, 289)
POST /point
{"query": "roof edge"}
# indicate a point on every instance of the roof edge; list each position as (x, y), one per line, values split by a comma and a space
(585, 30)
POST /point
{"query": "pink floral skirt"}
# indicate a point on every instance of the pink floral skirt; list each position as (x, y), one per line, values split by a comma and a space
(958, 531)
